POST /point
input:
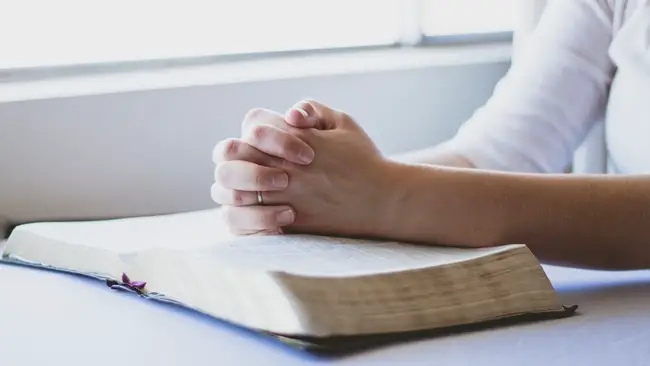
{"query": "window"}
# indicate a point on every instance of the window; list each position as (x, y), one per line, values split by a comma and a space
(457, 17)
(41, 33)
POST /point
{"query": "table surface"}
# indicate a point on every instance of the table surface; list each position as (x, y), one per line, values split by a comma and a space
(49, 318)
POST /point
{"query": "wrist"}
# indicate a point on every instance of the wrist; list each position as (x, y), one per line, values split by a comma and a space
(441, 205)
(393, 188)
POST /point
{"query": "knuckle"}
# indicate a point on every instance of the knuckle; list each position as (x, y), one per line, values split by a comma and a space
(230, 148)
(225, 150)
(259, 133)
(237, 198)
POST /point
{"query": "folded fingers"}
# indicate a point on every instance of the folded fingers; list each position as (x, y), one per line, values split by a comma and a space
(236, 149)
(268, 132)
(279, 143)
(247, 176)
(233, 197)
(257, 219)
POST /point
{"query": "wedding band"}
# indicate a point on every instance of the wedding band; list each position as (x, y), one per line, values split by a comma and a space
(260, 199)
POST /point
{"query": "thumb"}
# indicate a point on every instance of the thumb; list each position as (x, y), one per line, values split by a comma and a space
(309, 114)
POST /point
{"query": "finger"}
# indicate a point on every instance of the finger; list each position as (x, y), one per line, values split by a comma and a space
(261, 116)
(308, 106)
(247, 176)
(230, 197)
(276, 142)
(240, 231)
(298, 117)
(258, 218)
(330, 118)
(305, 114)
(235, 149)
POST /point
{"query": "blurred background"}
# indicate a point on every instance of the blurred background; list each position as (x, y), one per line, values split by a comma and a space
(112, 108)
(68, 32)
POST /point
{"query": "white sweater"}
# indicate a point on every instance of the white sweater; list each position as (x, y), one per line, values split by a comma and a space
(587, 60)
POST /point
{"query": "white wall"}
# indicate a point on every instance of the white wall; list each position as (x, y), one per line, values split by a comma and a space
(150, 151)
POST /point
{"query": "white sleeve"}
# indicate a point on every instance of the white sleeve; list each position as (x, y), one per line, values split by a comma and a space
(553, 93)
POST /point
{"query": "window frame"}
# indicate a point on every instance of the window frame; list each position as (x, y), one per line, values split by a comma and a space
(465, 38)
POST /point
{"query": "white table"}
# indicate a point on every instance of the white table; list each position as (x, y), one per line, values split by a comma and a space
(49, 318)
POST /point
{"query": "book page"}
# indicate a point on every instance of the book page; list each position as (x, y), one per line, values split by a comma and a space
(176, 231)
(329, 256)
(204, 233)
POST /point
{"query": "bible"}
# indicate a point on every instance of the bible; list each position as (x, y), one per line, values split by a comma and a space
(312, 291)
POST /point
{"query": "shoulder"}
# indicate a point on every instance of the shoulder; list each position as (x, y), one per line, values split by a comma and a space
(613, 12)
(585, 20)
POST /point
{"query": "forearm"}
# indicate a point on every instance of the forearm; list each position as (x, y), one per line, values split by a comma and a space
(437, 155)
(586, 221)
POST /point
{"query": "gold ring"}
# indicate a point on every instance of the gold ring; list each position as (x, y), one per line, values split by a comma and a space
(260, 199)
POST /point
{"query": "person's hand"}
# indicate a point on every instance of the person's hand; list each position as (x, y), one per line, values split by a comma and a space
(341, 192)
(256, 162)
(344, 190)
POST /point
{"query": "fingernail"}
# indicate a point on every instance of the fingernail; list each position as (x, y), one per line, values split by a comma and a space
(306, 156)
(303, 112)
(280, 181)
(285, 217)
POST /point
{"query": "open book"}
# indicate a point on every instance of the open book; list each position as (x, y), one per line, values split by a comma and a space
(293, 286)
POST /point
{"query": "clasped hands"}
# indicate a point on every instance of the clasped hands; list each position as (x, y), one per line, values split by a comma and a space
(315, 168)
